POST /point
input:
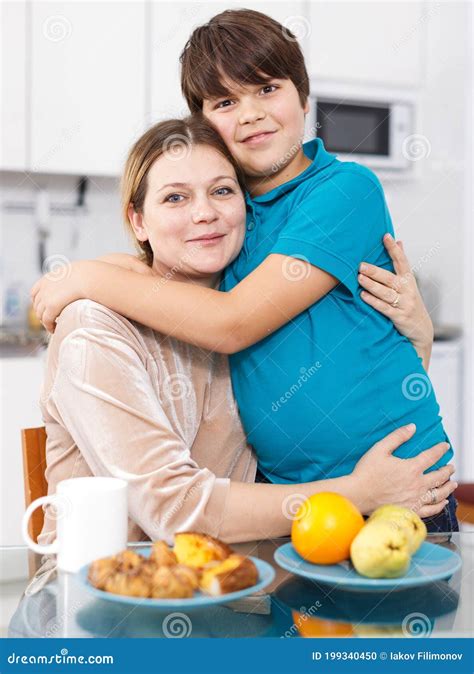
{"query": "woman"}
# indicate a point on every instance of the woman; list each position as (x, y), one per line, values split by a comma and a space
(121, 399)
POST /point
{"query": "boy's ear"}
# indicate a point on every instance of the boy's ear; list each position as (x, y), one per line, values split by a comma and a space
(306, 107)
(136, 220)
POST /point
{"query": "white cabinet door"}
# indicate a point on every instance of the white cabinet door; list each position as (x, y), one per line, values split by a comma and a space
(13, 56)
(446, 371)
(366, 41)
(19, 408)
(171, 26)
(88, 84)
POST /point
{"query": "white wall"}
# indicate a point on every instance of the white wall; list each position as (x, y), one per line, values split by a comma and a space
(429, 212)
(84, 235)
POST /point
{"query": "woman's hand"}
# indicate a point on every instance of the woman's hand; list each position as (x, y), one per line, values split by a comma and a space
(383, 478)
(56, 289)
(397, 297)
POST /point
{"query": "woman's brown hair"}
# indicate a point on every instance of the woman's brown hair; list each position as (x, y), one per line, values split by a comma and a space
(175, 136)
(243, 46)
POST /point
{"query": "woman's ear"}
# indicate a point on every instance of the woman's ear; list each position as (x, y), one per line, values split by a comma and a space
(306, 107)
(136, 220)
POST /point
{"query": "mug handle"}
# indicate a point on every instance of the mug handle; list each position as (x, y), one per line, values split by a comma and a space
(52, 548)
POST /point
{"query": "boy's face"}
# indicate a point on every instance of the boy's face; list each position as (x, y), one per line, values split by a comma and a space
(262, 125)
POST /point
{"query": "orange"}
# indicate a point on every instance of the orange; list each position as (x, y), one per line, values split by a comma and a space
(310, 626)
(324, 528)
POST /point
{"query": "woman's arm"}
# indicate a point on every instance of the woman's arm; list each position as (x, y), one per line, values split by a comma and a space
(409, 315)
(273, 294)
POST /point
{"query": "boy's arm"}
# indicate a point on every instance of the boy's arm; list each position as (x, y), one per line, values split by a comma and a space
(278, 290)
(126, 261)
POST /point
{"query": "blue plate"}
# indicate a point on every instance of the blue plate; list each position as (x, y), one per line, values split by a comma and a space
(266, 573)
(429, 563)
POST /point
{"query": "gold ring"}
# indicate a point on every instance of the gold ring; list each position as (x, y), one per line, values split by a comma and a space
(434, 496)
(396, 300)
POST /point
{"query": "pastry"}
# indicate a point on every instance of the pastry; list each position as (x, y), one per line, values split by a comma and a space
(131, 583)
(162, 555)
(198, 561)
(166, 583)
(188, 574)
(101, 570)
(197, 550)
(234, 573)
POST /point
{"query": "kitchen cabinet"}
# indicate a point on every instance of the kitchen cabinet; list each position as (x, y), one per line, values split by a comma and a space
(367, 42)
(13, 117)
(446, 374)
(81, 80)
(19, 408)
(88, 84)
(171, 26)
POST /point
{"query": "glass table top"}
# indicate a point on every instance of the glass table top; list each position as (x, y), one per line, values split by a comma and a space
(56, 604)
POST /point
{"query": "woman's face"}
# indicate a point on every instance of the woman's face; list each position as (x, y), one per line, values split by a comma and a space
(194, 213)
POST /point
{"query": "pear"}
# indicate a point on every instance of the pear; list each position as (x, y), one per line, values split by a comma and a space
(407, 519)
(380, 550)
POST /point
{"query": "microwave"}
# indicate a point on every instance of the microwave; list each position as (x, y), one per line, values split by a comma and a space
(370, 129)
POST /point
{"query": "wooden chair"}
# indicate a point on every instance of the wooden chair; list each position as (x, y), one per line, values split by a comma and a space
(465, 497)
(33, 441)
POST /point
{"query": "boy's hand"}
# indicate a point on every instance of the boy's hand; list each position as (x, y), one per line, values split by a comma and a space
(56, 289)
(397, 295)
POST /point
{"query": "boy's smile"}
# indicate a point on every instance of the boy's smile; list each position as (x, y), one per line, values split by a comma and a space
(263, 127)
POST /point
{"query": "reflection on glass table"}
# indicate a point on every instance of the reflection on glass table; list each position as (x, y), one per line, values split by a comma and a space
(57, 605)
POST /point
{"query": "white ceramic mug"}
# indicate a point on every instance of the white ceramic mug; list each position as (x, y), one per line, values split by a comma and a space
(91, 516)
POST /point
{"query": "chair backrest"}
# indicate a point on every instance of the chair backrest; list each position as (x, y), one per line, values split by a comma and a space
(33, 441)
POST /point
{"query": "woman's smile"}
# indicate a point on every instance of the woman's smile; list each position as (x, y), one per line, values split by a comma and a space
(208, 239)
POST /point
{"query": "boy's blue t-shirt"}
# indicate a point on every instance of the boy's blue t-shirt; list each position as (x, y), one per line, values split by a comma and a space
(316, 394)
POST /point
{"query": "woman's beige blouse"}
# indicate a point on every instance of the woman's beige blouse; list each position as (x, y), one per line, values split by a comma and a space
(122, 400)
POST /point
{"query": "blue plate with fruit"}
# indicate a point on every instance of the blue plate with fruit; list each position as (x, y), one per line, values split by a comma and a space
(429, 563)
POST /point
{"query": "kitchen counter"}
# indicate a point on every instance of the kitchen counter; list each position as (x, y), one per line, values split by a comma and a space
(289, 607)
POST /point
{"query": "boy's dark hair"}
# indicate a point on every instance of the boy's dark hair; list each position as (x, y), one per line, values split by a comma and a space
(244, 46)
